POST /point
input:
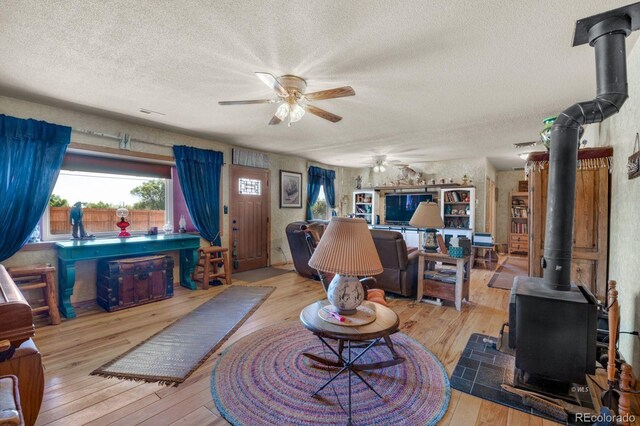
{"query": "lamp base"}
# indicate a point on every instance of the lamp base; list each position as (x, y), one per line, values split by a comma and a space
(345, 293)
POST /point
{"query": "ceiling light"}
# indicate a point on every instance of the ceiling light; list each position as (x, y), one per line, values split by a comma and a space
(382, 168)
(376, 168)
(296, 112)
(283, 111)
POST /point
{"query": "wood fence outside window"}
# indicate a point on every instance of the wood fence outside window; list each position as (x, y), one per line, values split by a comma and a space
(103, 220)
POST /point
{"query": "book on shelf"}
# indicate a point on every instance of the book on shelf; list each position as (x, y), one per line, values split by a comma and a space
(519, 228)
(456, 196)
(363, 209)
(519, 211)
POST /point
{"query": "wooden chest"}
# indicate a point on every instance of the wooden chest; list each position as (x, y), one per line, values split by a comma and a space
(129, 282)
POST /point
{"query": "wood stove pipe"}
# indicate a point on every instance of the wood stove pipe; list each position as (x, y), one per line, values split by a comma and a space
(608, 38)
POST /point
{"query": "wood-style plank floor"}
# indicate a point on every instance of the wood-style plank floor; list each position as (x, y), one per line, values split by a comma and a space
(74, 348)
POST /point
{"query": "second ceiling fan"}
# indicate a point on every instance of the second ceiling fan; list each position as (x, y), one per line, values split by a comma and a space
(294, 102)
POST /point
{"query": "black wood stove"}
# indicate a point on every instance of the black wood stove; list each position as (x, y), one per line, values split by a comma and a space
(552, 322)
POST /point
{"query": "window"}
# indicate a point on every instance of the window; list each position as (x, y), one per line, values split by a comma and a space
(249, 186)
(319, 210)
(104, 185)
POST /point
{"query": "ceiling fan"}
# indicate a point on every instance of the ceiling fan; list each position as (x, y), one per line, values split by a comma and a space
(294, 102)
(381, 161)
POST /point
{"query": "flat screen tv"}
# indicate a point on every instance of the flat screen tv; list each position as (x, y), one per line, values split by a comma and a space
(399, 208)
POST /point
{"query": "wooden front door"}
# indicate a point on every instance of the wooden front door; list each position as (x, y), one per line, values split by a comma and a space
(249, 217)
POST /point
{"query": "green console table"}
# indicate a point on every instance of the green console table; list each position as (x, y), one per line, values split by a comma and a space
(69, 252)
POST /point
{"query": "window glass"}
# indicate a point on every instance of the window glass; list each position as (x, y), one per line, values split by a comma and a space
(101, 194)
(319, 209)
(249, 186)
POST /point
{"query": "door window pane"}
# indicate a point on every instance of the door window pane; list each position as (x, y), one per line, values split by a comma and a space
(249, 186)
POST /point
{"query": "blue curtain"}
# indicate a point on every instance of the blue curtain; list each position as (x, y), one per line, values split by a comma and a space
(314, 183)
(329, 189)
(31, 154)
(199, 173)
(319, 177)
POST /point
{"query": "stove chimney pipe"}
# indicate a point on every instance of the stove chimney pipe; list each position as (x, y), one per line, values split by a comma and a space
(606, 33)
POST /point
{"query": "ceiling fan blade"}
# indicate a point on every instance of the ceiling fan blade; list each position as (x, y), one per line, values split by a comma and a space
(255, 101)
(322, 113)
(338, 92)
(271, 81)
(275, 120)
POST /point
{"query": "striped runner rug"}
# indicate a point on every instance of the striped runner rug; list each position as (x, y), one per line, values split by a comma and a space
(171, 355)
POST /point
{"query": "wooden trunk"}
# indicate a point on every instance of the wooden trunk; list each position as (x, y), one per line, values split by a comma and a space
(135, 281)
(590, 229)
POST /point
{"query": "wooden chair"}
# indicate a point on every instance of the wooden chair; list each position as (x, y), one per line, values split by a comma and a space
(209, 263)
(41, 277)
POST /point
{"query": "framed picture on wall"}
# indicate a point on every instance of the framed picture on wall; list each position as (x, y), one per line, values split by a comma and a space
(290, 190)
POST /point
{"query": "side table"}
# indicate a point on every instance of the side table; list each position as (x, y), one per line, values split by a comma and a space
(485, 254)
(367, 336)
(444, 290)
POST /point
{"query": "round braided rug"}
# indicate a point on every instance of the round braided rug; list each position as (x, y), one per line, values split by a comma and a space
(263, 379)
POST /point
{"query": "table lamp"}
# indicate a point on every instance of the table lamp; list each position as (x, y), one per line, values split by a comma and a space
(427, 217)
(347, 250)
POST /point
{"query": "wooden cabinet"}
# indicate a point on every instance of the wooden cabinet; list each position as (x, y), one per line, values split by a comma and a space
(519, 222)
(591, 219)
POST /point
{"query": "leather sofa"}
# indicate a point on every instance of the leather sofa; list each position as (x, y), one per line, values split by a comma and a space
(400, 264)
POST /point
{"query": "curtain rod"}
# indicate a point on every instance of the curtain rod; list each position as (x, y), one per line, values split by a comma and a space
(124, 140)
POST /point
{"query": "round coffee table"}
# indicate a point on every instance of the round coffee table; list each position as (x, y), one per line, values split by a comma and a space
(365, 336)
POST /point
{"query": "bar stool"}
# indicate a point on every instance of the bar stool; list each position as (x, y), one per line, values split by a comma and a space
(35, 277)
(208, 267)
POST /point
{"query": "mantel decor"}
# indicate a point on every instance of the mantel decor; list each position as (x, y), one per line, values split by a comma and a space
(290, 190)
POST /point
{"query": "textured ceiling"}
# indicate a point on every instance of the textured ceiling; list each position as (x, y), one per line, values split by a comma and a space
(434, 80)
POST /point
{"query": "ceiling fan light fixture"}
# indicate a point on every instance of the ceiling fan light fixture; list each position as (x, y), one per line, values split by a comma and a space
(376, 168)
(283, 111)
(296, 112)
(382, 168)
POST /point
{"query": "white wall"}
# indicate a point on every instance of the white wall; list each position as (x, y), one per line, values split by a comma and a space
(624, 235)
(86, 271)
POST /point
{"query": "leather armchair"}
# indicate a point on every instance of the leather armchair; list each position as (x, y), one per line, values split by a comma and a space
(299, 246)
(400, 273)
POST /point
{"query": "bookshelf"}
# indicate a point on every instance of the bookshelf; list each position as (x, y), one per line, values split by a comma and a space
(519, 222)
(364, 205)
(458, 210)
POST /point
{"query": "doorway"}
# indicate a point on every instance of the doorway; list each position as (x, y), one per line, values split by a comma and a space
(491, 197)
(249, 202)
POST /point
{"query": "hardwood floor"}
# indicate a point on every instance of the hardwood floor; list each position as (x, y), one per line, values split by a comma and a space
(74, 348)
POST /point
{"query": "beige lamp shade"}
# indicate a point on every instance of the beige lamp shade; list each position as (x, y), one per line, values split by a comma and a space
(427, 215)
(347, 248)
